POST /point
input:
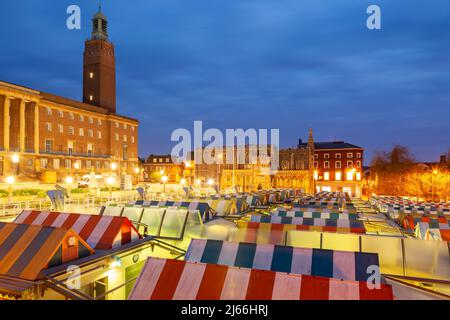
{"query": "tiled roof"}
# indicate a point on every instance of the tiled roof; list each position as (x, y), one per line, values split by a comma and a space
(333, 145)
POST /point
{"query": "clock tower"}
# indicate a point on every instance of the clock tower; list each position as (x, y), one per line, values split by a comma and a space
(99, 67)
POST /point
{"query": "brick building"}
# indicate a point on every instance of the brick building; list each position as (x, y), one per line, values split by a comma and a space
(53, 134)
(338, 166)
(157, 166)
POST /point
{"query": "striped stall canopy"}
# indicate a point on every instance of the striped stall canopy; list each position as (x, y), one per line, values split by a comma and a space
(410, 221)
(164, 279)
(225, 207)
(253, 200)
(100, 232)
(203, 207)
(274, 233)
(315, 214)
(426, 231)
(354, 225)
(26, 250)
(316, 262)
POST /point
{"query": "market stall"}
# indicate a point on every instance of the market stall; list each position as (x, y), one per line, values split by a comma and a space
(175, 279)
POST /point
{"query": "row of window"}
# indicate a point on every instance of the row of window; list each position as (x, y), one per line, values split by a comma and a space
(90, 132)
(338, 155)
(81, 118)
(350, 176)
(57, 164)
(160, 160)
(337, 164)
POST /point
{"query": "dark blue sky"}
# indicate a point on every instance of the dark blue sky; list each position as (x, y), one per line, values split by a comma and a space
(287, 64)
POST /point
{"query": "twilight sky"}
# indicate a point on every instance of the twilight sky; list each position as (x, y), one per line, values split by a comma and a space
(287, 64)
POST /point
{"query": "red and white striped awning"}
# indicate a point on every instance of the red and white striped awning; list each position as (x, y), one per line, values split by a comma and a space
(164, 279)
(100, 232)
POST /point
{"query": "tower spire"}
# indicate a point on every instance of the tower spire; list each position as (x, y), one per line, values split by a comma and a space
(99, 25)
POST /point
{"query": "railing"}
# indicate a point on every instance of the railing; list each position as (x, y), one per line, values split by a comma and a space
(74, 154)
(9, 210)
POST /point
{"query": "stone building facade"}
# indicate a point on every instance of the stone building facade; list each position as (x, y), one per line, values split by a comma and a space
(52, 134)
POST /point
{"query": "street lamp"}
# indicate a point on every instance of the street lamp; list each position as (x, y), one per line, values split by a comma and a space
(110, 181)
(164, 180)
(10, 181)
(210, 182)
(435, 172)
(69, 181)
(15, 160)
(76, 167)
(183, 182)
(136, 171)
(113, 166)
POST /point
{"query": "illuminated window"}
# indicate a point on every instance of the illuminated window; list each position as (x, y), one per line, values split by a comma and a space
(132, 128)
(71, 116)
(125, 126)
(81, 132)
(49, 111)
(81, 118)
(125, 138)
(117, 136)
(350, 175)
(358, 176)
(326, 176)
(132, 139)
(56, 164)
(99, 134)
(91, 75)
(99, 121)
(91, 97)
(44, 163)
(91, 121)
(71, 131)
(117, 124)
(91, 133)
(61, 114)
(338, 176)
(60, 128)
(49, 127)
(316, 175)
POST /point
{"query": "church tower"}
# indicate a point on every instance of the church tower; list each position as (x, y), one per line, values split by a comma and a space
(311, 150)
(99, 67)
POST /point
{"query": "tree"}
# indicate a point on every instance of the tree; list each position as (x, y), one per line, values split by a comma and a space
(390, 170)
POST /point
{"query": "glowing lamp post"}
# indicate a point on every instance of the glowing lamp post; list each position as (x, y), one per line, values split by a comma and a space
(435, 172)
(76, 167)
(110, 181)
(15, 160)
(10, 181)
(164, 181)
(183, 182)
(136, 171)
